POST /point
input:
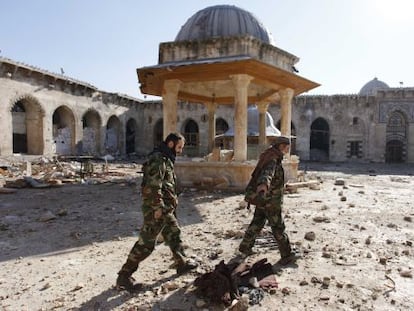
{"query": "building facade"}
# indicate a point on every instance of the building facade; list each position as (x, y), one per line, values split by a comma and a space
(43, 113)
(220, 62)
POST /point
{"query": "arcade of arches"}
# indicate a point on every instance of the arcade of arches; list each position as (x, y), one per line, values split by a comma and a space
(77, 119)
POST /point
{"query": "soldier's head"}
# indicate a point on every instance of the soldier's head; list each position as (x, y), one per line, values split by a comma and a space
(282, 143)
(176, 142)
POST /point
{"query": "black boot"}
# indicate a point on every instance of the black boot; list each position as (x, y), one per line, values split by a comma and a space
(288, 256)
(186, 266)
(246, 252)
(289, 259)
(126, 282)
(181, 263)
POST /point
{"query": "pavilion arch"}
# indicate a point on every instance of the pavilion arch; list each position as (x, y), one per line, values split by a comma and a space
(27, 123)
(192, 138)
(63, 121)
(158, 135)
(91, 141)
(131, 135)
(113, 135)
(319, 140)
(396, 137)
(293, 134)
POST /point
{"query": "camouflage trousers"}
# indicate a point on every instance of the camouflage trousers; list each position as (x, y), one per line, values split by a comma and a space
(272, 212)
(168, 227)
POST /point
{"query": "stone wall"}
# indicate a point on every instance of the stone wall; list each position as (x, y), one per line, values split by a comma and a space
(40, 98)
(66, 116)
(216, 48)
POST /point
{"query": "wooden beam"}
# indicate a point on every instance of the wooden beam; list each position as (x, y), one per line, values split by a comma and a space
(152, 78)
(194, 97)
(266, 95)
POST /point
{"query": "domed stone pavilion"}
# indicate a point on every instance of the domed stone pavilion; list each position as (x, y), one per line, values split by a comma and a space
(223, 55)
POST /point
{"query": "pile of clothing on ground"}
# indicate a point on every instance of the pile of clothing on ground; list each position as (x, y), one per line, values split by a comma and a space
(228, 282)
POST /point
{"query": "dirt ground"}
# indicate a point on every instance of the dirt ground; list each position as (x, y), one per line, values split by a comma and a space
(61, 247)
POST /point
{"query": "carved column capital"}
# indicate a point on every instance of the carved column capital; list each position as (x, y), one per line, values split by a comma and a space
(286, 95)
(171, 86)
(262, 107)
(241, 80)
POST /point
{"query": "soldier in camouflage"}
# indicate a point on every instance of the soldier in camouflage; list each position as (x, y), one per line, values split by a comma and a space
(268, 183)
(159, 202)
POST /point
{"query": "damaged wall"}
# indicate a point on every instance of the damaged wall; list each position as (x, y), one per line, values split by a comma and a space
(55, 107)
(44, 94)
(62, 141)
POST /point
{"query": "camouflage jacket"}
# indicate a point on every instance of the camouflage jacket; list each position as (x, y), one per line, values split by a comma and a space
(268, 171)
(272, 175)
(159, 182)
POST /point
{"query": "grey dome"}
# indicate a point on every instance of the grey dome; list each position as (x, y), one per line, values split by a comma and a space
(371, 87)
(253, 124)
(223, 21)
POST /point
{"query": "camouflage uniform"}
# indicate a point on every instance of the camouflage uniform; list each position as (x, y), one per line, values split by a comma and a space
(270, 207)
(158, 192)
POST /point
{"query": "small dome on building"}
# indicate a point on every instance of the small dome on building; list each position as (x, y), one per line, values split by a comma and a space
(371, 88)
(223, 21)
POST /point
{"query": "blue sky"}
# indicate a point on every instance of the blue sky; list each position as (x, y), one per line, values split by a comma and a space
(342, 44)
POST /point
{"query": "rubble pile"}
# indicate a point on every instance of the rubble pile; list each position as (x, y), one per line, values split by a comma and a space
(46, 172)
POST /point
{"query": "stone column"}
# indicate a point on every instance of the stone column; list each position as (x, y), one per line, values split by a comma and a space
(262, 108)
(241, 84)
(6, 132)
(410, 143)
(211, 107)
(169, 103)
(291, 165)
(35, 117)
(48, 139)
(78, 132)
(286, 96)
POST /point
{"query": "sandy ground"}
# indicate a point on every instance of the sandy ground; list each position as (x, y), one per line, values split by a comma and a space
(61, 247)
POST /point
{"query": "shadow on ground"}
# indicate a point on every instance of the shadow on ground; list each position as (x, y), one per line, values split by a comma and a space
(64, 219)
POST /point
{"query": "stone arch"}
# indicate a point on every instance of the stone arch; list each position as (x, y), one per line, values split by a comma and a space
(27, 125)
(158, 135)
(112, 135)
(191, 134)
(91, 140)
(293, 138)
(221, 126)
(396, 137)
(131, 134)
(319, 140)
(63, 121)
(356, 141)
